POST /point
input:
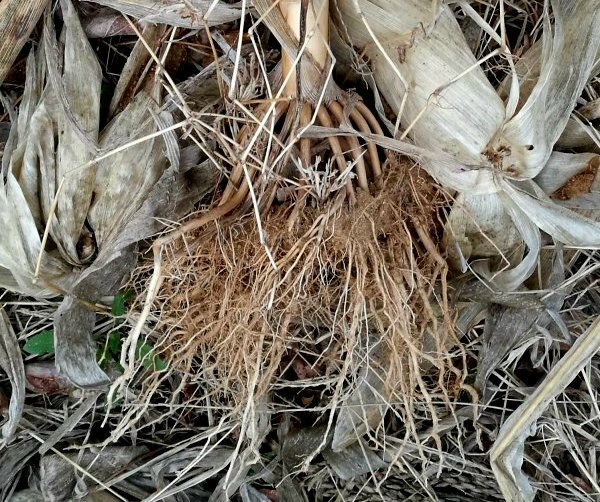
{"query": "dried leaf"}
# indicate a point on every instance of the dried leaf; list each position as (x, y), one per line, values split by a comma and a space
(137, 60)
(58, 476)
(17, 20)
(37, 177)
(191, 14)
(569, 52)
(81, 80)
(511, 278)
(356, 460)
(171, 198)
(563, 166)
(509, 323)
(23, 128)
(505, 327)
(100, 22)
(207, 464)
(75, 348)
(12, 461)
(364, 409)
(124, 180)
(564, 225)
(12, 364)
(20, 240)
(481, 227)
(54, 68)
(527, 70)
(578, 134)
(7, 281)
(456, 117)
(300, 445)
(506, 454)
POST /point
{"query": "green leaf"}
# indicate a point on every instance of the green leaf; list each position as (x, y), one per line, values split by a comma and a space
(113, 343)
(111, 350)
(41, 344)
(118, 306)
(144, 354)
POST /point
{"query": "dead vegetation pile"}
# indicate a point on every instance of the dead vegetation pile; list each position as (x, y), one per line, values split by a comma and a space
(289, 251)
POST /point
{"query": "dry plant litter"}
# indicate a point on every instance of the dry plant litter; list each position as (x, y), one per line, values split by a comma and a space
(384, 298)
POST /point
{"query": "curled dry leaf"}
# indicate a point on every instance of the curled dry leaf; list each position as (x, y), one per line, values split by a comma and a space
(82, 79)
(507, 453)
(532, 133)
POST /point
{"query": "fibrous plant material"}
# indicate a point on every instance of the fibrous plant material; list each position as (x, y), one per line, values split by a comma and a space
(351, 263)
(298, 99)
(513, 183)
(348, 287)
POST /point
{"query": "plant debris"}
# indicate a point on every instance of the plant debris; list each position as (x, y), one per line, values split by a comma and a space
(299, 250)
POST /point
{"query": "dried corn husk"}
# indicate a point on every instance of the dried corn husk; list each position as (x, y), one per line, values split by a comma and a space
(425, 70)
(418, 59)
(120, 192)
(563, 166)
(576, 134)
(579, 135)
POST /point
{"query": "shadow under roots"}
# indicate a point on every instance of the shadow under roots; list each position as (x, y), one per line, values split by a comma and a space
(348, 280)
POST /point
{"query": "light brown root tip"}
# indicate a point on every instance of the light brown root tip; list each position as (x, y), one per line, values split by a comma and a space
(366, 122)
(325, 120)
(355, 150)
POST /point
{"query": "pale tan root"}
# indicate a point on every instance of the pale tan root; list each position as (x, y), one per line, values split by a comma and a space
(224, 307)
